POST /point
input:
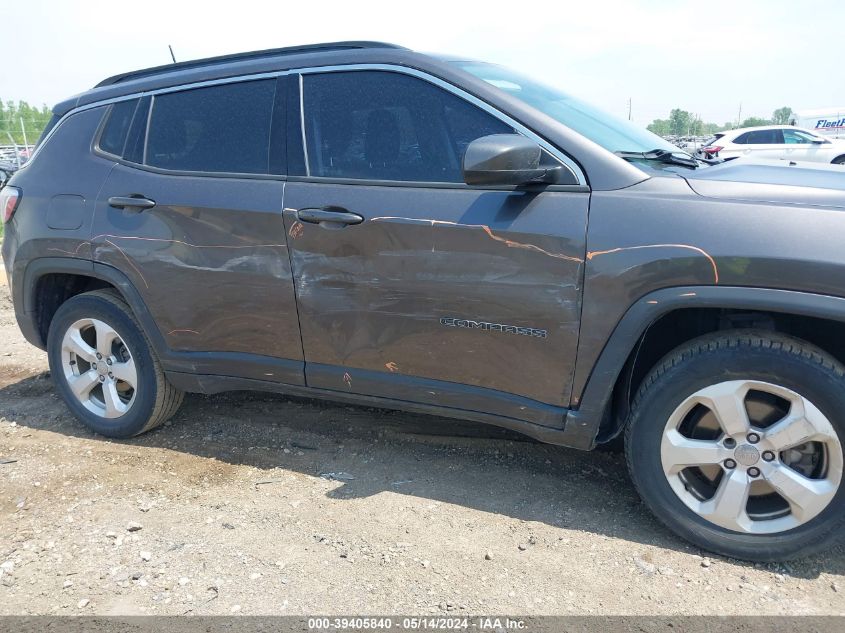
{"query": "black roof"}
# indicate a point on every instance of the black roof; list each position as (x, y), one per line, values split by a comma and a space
(238, 57)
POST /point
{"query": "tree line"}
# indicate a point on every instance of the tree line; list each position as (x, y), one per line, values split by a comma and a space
(683, 123)
(12, 114)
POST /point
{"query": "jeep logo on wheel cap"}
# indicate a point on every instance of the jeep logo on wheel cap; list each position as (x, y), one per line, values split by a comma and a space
(747, 455)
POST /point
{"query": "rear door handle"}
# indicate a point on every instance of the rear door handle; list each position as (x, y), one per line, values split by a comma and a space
(332, 216)
(131, 202)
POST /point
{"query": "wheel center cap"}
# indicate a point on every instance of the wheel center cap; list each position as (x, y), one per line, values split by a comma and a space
(101, 367)
(747, 455)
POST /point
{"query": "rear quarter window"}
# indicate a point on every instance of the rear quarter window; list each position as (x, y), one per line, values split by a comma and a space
(118, 120)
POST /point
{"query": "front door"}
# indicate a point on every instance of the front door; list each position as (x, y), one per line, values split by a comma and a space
(413, 286)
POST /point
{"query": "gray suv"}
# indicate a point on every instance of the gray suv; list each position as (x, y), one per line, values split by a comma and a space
(364, 223)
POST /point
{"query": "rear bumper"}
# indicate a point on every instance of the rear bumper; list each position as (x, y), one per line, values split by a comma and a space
(14, 270)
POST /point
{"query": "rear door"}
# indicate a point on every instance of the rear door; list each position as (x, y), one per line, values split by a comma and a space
(192, 214)
(765, 143)
(421, 288)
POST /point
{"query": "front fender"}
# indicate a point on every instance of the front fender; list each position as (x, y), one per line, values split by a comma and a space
(594, 384)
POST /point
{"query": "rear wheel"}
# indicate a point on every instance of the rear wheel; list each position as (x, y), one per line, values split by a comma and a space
(104, 368)
(839, 160)
(735, 443)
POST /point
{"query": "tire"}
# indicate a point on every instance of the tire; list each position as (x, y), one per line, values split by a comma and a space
(775, 378)
(121, 395)
(839, 160)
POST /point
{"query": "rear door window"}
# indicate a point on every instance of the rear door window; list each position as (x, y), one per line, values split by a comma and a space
(223, 128)
(765, 137)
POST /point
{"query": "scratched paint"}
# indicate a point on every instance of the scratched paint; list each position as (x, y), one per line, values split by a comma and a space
(216, 274)
(373, 294)
(701, 251)
(507, 242)
(296, 230)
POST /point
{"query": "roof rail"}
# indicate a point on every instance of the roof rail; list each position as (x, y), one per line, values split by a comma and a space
(236, 57)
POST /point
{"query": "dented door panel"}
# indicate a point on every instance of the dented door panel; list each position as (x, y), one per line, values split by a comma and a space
(209, 259)
(478, 288)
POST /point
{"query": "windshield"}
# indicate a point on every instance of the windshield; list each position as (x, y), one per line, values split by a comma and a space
(607, 130)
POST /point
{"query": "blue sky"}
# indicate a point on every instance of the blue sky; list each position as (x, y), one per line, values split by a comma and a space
(706, 56)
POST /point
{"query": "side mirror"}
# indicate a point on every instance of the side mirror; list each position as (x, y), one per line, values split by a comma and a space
(819, 141)
(505, 159)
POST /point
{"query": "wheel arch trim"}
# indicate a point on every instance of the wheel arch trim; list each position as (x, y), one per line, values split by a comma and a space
(38, 268)
(595, 393)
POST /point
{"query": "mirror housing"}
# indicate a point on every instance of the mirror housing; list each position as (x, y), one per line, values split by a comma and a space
(819, 141)
(505, 159)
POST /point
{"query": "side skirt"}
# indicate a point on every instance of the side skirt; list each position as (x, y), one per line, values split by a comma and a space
(209, 384)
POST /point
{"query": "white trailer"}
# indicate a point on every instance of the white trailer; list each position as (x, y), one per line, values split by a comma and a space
(827, 121)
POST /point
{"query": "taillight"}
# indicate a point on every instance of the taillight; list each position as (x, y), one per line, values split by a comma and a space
(9, 199)
(712, 150)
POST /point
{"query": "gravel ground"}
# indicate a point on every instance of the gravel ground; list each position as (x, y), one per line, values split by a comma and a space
(259, 504)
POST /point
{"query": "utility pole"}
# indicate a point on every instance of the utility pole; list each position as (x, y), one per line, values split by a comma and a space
(629, 108)
(739, 116)
(15, 145)
(23, 129)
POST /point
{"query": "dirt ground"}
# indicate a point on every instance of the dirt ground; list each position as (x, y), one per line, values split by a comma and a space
(231, 508)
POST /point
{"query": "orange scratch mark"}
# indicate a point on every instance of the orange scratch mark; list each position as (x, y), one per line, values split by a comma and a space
(701, 251)
(131, 263)
(392, 367)
(296, 230)
(348, 380)
(72, 253)
(171, 241)
(507, 242)
(185, 331)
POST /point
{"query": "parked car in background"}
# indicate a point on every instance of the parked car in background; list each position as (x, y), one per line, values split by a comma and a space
(784, 142)
(364, 223)
(6, 171)
(828, 122)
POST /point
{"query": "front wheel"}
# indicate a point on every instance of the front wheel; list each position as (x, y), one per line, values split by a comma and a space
(735, 443)
(104, 369)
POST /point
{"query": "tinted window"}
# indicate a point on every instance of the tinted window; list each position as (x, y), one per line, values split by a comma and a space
(217, 129)
(389, 126)
(764, 137)
(117, 125)
(742, 139)
(794, 137)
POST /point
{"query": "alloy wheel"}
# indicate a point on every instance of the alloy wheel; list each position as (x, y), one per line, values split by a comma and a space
(752, 456)
(99, 368)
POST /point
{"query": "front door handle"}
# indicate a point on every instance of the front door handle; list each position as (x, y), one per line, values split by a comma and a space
(131, 202)
(332, 216)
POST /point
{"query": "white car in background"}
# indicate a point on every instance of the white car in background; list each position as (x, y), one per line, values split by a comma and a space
(785, 142)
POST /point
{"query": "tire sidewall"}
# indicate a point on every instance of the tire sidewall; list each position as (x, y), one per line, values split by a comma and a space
(92, 307)
(795, 371)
